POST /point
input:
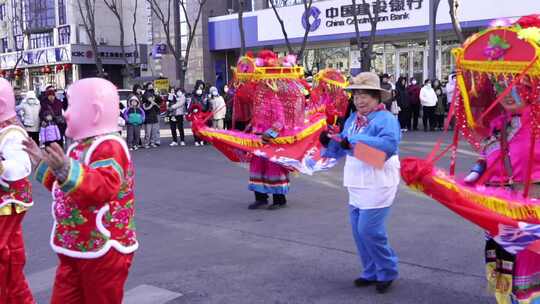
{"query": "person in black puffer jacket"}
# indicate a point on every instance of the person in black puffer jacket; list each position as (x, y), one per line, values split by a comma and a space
(402, 98)
(151, 106)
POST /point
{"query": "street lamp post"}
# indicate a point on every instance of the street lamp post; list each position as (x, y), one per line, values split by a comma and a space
(432, 39)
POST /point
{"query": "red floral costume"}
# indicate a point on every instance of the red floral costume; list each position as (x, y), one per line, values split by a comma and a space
(15, 199)
(94, 231)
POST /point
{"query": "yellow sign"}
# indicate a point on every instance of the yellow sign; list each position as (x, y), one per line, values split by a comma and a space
(162, 85)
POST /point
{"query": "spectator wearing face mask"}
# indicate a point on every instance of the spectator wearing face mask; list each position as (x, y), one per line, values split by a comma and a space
(414, 101)
(176, 107)
(428, 99)
(199, 102)
(386, 85)
(151, 106)
(450, 90)
(134, 117)
(219, 109)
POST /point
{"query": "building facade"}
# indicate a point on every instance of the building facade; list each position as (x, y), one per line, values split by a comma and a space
(201, 60)
(401, 46)
(44, 42)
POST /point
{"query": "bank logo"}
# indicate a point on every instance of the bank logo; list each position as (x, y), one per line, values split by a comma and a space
(313, 13)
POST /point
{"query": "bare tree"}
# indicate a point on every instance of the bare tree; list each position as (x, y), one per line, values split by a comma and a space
(241, 5)
(366, 49)
(454, 5)
(21, 29)
(134, 27)
(307, 9)
(18, 21)
(114, 7)
(192, 28)
(164, 17)
(87, 11)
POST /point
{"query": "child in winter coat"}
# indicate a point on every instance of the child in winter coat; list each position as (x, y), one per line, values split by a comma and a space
(49, 132)
(134, 117)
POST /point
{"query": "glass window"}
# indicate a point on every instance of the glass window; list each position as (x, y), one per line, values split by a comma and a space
(317, 59)
(448, 62)
(19, 42)
(64, 35)
(62, 18)
(39, 14)
(390, 60)
(41, 40)
(3, 11)
(4, 43)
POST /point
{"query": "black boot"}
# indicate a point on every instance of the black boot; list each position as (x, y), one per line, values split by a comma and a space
(261, 200)
(280, 201)
(382, 287)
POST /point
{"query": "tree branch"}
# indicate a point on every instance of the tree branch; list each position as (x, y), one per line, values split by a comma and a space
(282, 24)
(454, 5)
(307, 8)
(241, 27)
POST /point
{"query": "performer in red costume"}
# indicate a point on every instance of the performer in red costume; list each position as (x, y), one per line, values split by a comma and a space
(93, 208)
(15, 199)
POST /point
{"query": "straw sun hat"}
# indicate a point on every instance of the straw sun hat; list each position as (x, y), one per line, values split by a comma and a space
(369, 81)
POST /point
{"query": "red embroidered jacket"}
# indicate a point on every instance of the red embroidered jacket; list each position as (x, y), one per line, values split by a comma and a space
(93, 208)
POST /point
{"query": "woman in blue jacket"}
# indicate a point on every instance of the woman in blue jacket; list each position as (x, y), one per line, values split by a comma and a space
(371, 190)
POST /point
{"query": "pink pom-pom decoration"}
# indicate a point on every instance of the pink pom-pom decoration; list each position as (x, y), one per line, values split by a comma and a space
(259, 62)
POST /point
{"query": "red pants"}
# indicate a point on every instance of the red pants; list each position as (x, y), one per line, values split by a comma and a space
(13, 286)
(91, 281)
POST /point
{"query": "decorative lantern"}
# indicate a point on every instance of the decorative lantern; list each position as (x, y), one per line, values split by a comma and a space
(42, 70)
(18, 73)
(59, 68)
(67, 66)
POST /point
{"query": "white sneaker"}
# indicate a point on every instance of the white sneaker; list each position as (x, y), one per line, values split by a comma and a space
(173, 144)
(197, 144)
(202, 143)
(182, 143)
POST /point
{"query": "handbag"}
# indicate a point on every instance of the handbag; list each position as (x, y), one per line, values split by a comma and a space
(394, 108)
(58, 119)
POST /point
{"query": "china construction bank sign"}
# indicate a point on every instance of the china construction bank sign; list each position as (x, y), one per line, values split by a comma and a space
(337, 16)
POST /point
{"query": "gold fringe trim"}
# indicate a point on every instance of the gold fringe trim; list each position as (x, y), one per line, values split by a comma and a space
(498, 205)
(466, 100)
(501, 67)
(257, 143)
(262, 73)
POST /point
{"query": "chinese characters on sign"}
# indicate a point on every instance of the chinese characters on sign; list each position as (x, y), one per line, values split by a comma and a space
(382, 9)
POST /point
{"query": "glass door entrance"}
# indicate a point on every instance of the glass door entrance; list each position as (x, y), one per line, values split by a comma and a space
(411, 63)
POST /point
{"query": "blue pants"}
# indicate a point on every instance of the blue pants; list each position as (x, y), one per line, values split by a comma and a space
(378, 259)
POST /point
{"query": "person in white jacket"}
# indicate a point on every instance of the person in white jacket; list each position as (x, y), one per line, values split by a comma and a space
(29, 112)
(177, 108)
(450, 88)
(428, 99)
(219, 108)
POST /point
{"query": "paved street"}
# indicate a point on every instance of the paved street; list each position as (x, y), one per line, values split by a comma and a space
(200, 244)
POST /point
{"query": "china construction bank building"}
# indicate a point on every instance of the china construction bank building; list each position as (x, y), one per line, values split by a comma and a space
(401, 44)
